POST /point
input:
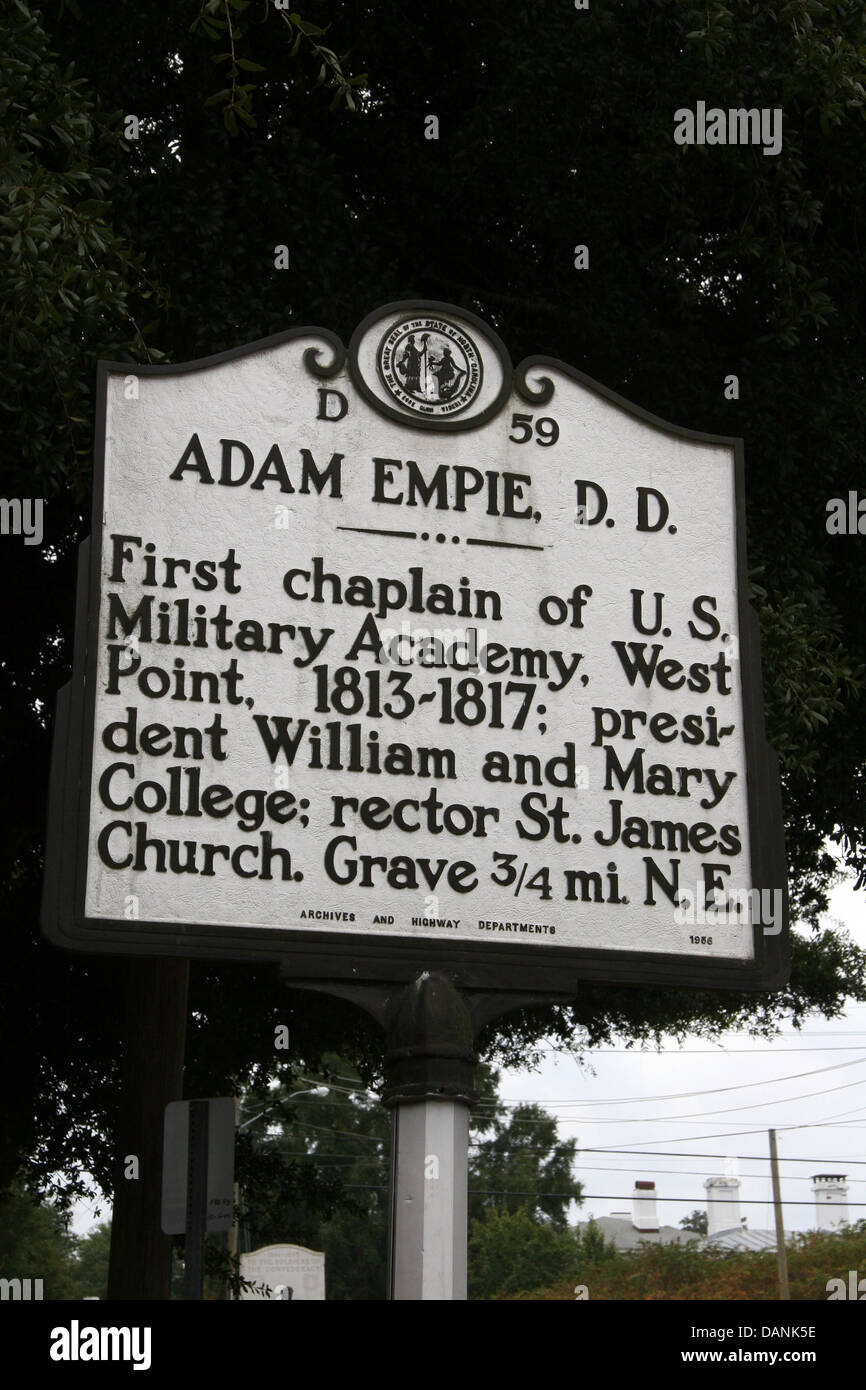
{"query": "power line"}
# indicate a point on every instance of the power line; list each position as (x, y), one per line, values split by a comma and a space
(644, 1050)
(590, 1120)
(597, 1168)
(351, 1090)
(686, 1138)
(697, 1115)
(685, 1095)
(489, 1106)
(329, 1129)
(823, 1161)
(729, 1051)
(720, 1051)
(687, 1172)
(616, 1197)
(584, 1196)
(581, 1167)
(734, 1134)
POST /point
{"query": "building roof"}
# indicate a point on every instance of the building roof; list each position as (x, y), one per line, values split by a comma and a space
(739, 1238)
(621, 1230)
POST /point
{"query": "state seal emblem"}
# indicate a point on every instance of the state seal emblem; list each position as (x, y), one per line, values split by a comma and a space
(430, 366)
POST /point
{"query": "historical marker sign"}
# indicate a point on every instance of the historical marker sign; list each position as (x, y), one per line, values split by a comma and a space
(290, 1273)
(399, 656)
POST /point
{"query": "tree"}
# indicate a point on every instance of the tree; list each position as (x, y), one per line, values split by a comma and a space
(555, 127)
(687, 1273)
(520, 1164)
(35, 1244)
(508, 1252)
(695, 1221)
(70, 290)
(89, 1272)
(592, 1248)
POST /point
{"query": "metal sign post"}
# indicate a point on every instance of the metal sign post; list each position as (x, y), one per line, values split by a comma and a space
(196, 1199)
(198, 1177)
(430, 1066)
(429, 1180)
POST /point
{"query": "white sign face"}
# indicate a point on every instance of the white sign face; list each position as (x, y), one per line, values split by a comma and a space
(287, 1272)
(394, 647)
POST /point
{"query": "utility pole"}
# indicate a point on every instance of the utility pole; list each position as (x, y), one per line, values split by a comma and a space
(784, 1292)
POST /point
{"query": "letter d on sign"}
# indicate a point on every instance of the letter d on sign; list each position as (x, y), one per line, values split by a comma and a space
(584, 486)
(342, 405)
(643, 520)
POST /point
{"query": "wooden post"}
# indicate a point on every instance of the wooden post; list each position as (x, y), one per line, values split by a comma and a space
(784, 1292)
(152, 1075)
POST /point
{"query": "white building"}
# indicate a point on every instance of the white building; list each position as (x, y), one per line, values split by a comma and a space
(831, 1200)
(726, 1228)
(629, 1229)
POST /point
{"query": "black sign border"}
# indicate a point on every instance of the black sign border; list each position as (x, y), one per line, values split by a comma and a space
(490, 965)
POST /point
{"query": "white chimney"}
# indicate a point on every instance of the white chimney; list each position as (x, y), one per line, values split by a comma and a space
(831, 1200)
(644, 1207)
(723, 1204)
